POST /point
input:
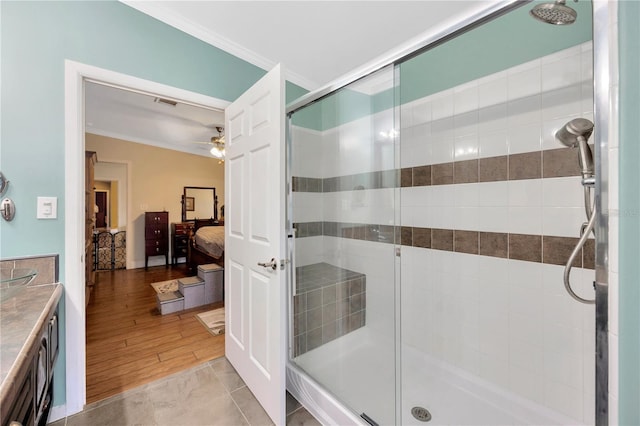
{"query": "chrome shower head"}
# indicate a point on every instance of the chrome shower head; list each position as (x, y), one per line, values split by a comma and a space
(575, 133)
(571, 132)
(557, 13)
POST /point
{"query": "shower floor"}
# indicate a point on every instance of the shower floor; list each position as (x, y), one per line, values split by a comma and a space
(361, 378)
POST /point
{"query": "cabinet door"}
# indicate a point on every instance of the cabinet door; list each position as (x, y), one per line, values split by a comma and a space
(155, 232)
(53, 341)
(155, 247)
(156, 225)
(181, 245)
(23, 406)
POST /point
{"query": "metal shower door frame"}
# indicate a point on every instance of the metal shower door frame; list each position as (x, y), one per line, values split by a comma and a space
(602, 43)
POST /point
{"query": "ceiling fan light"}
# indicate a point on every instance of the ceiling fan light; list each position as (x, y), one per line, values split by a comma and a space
(215, 151)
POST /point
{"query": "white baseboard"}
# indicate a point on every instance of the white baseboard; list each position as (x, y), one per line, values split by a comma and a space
(57, 413)
(155, 261)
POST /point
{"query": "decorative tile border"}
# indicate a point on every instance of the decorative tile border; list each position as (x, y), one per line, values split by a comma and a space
(547, 249)
(552, 163)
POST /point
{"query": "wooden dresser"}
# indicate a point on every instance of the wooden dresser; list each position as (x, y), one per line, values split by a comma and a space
(156, 236)
(90, 222)
(179, 240)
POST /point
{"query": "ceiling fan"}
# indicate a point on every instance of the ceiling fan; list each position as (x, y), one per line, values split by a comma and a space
(217, 150)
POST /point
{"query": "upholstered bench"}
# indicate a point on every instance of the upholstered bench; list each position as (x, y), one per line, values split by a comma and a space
(213, 276)
(170, 302)
(192, 288)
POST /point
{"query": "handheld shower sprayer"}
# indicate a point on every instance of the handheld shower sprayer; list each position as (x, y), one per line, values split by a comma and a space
(575, 134)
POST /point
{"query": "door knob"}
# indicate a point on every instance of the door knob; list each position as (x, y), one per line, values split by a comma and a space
(273, 264)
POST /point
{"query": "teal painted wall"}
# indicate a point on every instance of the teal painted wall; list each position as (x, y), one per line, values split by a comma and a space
(36, 38)
(293, 92)
(629, 231)
(507, 41)
(341, 107)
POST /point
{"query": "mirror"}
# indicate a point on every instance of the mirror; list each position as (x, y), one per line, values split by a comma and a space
(199, 203)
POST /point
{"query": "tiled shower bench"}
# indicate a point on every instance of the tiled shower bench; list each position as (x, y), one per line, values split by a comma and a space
(330, 302)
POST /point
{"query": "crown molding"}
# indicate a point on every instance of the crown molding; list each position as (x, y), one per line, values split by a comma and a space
(299, 80)
(162, 14)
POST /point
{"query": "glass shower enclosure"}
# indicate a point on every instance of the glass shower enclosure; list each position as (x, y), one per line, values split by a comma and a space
(344, 202)
(431, 213)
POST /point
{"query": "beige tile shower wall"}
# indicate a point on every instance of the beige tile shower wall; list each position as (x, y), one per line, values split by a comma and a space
(347, 150)
(509, 113)
(514, 111)
(507, 321)
(309, 251)
(359, 146)
(307, 161)
(307, 152)
(378, 262)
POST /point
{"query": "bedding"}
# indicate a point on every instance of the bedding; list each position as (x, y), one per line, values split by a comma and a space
(211, 240)
(197, 251)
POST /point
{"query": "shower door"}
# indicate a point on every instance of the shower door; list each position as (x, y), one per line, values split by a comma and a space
(343, 213)
(489, 334)
(434, 211)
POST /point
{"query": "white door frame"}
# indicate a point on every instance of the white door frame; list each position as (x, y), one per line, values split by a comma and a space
(75, 75)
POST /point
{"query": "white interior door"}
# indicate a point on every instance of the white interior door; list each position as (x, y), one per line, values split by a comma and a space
(255, 295)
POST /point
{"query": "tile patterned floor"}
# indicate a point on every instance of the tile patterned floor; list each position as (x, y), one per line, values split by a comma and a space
(209, 394)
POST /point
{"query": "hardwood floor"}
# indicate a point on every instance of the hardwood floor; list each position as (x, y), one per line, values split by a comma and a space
(129, 343)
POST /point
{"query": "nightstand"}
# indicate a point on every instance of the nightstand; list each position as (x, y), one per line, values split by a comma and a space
(179, 240)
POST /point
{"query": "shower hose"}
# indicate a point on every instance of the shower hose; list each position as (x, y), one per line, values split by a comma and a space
(586, 230)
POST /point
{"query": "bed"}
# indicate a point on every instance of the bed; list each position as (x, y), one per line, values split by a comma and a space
(206, 244)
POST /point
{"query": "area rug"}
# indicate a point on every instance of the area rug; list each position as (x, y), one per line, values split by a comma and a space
(165, 286)
(213, 321)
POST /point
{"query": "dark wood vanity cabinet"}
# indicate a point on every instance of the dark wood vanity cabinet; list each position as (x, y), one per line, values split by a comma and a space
(32, 401)
(156, 236)
(179, 240)
(23, 408)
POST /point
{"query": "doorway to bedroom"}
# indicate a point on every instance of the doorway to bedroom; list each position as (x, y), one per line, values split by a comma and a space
(128, 341)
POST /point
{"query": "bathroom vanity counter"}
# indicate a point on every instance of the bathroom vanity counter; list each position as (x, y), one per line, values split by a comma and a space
(23, 317)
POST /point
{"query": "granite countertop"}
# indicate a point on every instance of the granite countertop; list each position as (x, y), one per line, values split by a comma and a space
(22, 317)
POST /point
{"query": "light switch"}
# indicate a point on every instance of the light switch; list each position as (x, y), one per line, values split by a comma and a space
(47, 208)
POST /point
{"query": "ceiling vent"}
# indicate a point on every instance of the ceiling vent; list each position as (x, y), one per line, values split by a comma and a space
(165, 101)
